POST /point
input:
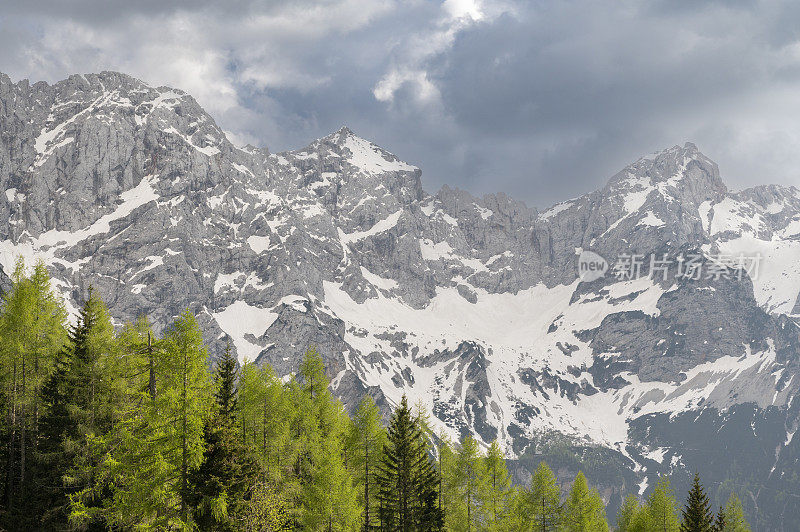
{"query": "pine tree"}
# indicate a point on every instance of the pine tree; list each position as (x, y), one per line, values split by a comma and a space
(407, 480)
(733, 516)
(497, 492)
(697, 515)
(661, 508)
(584, 510)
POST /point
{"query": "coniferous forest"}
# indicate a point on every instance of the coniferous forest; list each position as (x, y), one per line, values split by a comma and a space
(114, 428)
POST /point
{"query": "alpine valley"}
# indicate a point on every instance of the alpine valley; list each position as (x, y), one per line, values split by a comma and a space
(470, 306)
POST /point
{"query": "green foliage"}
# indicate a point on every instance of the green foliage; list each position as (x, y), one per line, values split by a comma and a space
(32, 336)
(497, 491)
(365, 440)
(584, 510)
(542, 500)
(110, 429)
(733, 519)
(631, 515)
(264, 413)
(446, 471)
(329, 497)
(219, 488)
(468, 483)
(93, 388)
(153, 448)
(407, 480)
(225, 383)
(661, 508)
(266, 510)
(697, 514)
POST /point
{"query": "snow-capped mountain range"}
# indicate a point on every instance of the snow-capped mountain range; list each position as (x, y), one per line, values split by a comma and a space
(471, 306)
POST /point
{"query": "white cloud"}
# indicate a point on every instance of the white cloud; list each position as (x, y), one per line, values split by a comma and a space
(209, 53)
(410, 68)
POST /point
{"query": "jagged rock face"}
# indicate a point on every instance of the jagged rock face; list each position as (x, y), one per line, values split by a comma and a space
(471, 306)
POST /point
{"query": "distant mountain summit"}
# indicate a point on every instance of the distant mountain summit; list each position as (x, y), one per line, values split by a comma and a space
(683, 356)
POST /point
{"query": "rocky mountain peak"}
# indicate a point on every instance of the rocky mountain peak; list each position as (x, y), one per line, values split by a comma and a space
(472, 306)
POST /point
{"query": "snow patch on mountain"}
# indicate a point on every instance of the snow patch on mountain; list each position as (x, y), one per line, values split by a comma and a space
(240, 321)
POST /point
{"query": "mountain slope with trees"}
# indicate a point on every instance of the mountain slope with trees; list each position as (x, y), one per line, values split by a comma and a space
(117, 428)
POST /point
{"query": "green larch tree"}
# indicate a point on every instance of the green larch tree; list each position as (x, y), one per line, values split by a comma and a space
(32, 334)
(633, 516)
(584, 510)
(265, 415)
(497, 490)
(157, 445)
(543, 500)
(733, 516)
(330, 499)
(365, 441)
(662, 508)
(469, 478)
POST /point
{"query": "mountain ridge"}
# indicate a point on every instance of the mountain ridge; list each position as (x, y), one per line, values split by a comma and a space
(472, 306)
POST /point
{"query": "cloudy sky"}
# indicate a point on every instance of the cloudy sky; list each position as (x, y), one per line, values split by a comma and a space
(543, 100)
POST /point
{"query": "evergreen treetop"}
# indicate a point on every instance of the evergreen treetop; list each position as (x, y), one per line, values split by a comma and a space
(697, 514)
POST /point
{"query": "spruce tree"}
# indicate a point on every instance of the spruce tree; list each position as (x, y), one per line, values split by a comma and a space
(94, 389)
(719, 522)
(697, 515)
(225, 382)
(48, 502)
(407, 479)
(219, 487)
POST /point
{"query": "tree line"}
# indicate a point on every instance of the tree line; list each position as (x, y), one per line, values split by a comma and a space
(117, 428)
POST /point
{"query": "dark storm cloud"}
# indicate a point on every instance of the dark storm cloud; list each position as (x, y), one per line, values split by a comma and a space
(543, 100)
